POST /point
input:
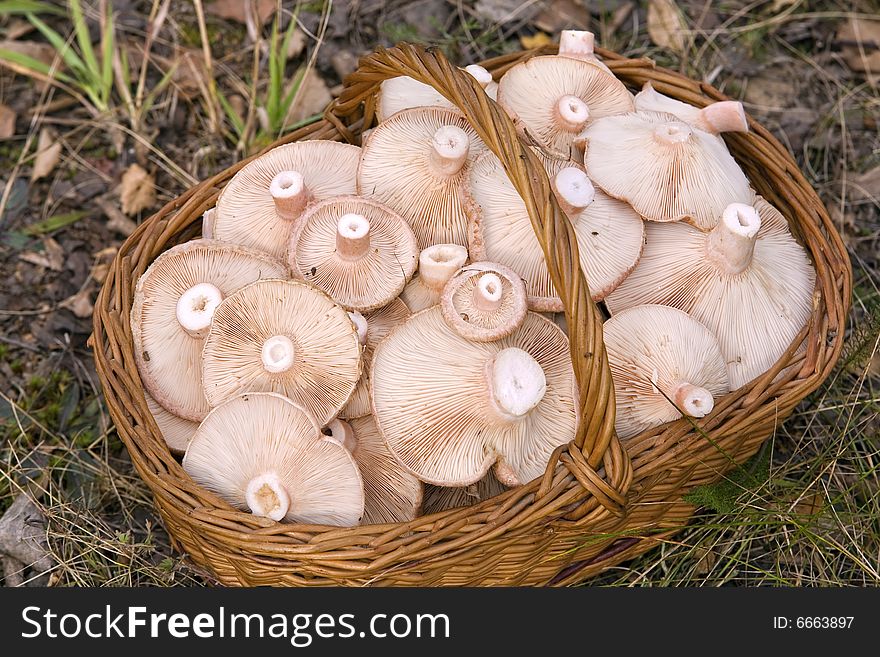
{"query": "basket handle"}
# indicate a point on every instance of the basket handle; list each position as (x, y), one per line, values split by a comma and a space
(554, 231)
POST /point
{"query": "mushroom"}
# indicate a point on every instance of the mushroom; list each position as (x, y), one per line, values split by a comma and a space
(443, 498)
(721, 116)
(747, 280)
(176, 431)
(664, 168)
(468, 405)
(610, 235)
(554, 98)
(416, 163)
(263, 453)
(437, 264)
(174, 301)
(259, 206)
(390, 493)
(664, 364)
(286, 337)
(578, 44)
(484, 301)
(376, 325)
(403, 92)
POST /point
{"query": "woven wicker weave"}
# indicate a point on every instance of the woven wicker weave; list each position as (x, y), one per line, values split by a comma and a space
(598, 503)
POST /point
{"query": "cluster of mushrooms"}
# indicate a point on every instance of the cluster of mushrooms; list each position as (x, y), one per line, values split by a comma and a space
(366, 334)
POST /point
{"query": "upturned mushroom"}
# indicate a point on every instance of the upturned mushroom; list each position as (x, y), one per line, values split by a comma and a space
(286, 337)
(359, 252)
(437, 264)
(717, 117)
(664, 364)
(416, 163)
(468, 406)
(174, 302)
(176, 431)
(265, 454)
(485, 301)
(443, 498)
(747, 280)
(261, 203)
(390, 493)
(403, 92)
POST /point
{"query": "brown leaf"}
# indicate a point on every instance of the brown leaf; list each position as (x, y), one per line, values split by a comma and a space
(48, 154)
(101, 266)
(80, 304)
(867, 185)
(236, 10)
(117, 221)
(666, 25)
(7, 122)
(860, 39)
(312, 98)
(52, 256)
(535, 40)
(137, 191)
(42, 52)
(560, 15)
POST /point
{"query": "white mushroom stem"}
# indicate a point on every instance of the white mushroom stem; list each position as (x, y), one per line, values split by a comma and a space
(342, 434)
(208, 224)
(449, 150)
(278, 354)
(352, 236)
(487, 292)
(723, 116)
(267, 497)
(577, 44)
(572, 113)
(288, 190)
(438, 263)
(360, 323)
(574, 191)
(672, 133)
(480, 74)
(731, 243)
(516, 383)
(692, 400)
(195, 308)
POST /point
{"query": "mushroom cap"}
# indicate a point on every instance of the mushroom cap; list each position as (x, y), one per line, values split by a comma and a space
(176, 431)
(403, 92)
(437, 264)
(396, 169)
(390, 493)
(443, 498)
(363, 282)
(259, 434)
(292, 328)
(720, 116)
(245, 212)
(484, 301)
(379, 324)
(610, 234)
(755, 313)
(532, 90)
(665, 169)
(654, 352)
(169, 359)
(443, 424)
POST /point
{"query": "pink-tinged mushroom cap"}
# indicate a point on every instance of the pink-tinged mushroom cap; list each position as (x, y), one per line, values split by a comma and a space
(359, 252)
(403, 92)
(263, 453)
(285, 337)
(443, 498)
(437, 264)
(483, 302)
(664, 168)
(390, 493)
(721, 116)
(664, 364)
(174, 302)
(176, 431)
(416, 163)
(260, 205)
(747, 280)
(465, 406)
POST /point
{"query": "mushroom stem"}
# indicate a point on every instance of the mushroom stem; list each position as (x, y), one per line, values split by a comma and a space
(195, 308)
(692, 400)
(480, 74)
(288, 190)
(574, 191)
(577, 44)
(449, 150)
(516, 383)
(731, 243)
(342, 434)
(672, 133)
(723, 116)
(438, 263)
(278, 354)
(360, 323)
(571, 113)
(487, 292)
(352, 236)
(267, 497)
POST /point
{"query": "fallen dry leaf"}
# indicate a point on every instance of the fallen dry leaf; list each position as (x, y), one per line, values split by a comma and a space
(312, 98)
(101, 266)
(563, 15)
(7, 122)
(235, 10)
(666, 25)
(52, 256)
(867, 185)
(860, 39)
(116, 219)
(535, 40)
(137, 191)
(80, 304)
(48, 154)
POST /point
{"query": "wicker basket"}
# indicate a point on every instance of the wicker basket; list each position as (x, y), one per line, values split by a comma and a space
(597, 504)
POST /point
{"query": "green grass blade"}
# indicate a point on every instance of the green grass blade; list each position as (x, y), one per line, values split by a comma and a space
(33, 64)
(55, 222)
(107, 44)
(81, 30)
(67, 54)
(9, 7)
(234, 118)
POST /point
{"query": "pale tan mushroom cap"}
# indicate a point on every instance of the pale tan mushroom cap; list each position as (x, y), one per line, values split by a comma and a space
(403, 92)
(720, 116)
(531, 91)
(443, 498)
(433, 406)
(755, 313)
(437, 264)
(658, 355)
(485, 301)
(168, 358)
(610, 234)
(292, 328)
(396, 169)
(245, 212)
(364, 281)
(176, 431)
(256, 436)
(665, 169)
(379, 324)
